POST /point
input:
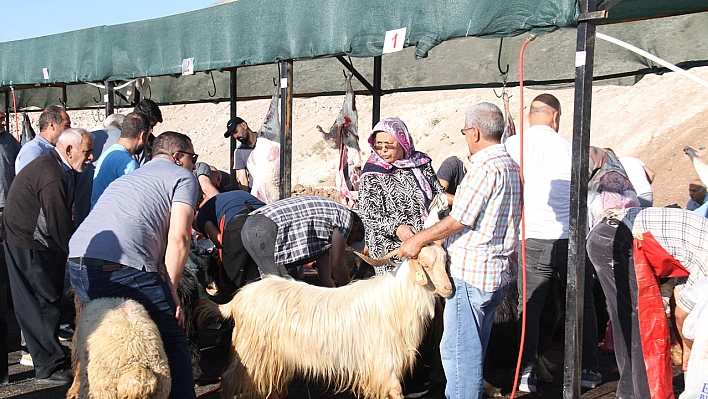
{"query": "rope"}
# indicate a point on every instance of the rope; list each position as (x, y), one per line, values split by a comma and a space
(653, 58)
(523, 216)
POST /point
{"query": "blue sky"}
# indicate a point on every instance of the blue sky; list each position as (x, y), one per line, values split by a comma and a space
(23, 19)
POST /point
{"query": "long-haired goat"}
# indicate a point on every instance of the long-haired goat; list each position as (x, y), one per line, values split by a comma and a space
(362, 336)
(115, 325)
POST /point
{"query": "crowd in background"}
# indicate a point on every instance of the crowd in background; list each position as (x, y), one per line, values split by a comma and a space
(98, 209)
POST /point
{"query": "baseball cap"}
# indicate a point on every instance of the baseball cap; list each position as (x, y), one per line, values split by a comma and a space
(359, 245)
(231, 126)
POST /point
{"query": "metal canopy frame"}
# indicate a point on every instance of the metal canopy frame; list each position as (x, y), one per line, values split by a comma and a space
(585, 53)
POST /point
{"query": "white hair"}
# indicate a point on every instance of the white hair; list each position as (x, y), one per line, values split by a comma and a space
(488, 118)
(114, 119)
(73, 137)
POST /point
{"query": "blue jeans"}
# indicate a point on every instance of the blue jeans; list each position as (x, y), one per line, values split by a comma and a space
(468, 319)
(152, 292)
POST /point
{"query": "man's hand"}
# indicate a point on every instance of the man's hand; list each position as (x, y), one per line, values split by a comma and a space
(686, 344)
(680, 316)
(178, 314)
(405, 232)
(410, 249)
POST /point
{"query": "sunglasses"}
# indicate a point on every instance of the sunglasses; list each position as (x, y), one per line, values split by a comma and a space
(194, 156)
(379, 147)
(464, 130)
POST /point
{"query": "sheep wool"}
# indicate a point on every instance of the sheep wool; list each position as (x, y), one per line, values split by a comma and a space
(118, 353)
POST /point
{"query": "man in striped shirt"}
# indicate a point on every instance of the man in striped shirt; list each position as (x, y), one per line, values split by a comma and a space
(480, 236)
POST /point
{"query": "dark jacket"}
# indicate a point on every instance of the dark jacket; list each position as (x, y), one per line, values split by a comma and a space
(37, 211)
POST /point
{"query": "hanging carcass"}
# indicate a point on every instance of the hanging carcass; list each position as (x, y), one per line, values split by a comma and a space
(264, 162)
(509, 127)
(27, 131)
(344, 137)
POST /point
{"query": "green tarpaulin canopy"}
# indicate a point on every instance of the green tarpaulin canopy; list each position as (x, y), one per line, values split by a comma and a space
(254, 34)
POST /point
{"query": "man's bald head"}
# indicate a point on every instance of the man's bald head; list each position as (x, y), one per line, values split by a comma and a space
(545, 110)
(697, 191)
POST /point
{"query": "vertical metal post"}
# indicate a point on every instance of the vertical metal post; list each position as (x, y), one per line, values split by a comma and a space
(286, 127)
(584, 59)
(376, 106)
(63, 95)
(7, 110)
(110, 98)
(233, 114)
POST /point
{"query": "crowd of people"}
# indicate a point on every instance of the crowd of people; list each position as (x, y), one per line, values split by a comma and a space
(113, 212)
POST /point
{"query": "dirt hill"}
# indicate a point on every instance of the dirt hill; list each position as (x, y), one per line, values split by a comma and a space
(651, 120)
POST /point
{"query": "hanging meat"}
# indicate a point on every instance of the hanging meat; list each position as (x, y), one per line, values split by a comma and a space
(27, 131)
(343, 136)
(264, 162)
(509, 127)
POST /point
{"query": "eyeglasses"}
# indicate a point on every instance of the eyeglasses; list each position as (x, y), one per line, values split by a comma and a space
(465, 129)
(379, 147)
(193, 155)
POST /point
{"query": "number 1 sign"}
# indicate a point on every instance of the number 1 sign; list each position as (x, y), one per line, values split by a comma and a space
(394, 40)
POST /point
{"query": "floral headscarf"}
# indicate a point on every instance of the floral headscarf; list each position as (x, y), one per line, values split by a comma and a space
(412, 159)
(609, 187)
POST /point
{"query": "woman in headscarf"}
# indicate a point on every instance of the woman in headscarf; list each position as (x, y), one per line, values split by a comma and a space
(398, 184)
(397, 187)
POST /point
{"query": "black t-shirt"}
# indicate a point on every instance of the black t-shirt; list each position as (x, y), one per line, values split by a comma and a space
(452, 171)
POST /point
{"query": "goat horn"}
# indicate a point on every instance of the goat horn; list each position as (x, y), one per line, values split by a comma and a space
(386, 260)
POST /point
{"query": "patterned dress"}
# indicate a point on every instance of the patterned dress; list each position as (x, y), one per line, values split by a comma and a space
(387, 201)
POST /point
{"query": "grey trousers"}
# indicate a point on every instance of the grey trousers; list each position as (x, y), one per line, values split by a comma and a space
(612, 253)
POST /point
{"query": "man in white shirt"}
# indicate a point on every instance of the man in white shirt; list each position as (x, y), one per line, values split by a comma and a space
(547, 171)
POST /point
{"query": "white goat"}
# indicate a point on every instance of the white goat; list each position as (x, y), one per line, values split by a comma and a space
(363, 336)
(118, 353)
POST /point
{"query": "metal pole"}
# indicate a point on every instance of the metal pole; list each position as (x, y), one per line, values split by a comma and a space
(63, 95)
(110, 98)
(7, 110)
(233, 114)
(584, 59)
(376, 106)
(286, 127)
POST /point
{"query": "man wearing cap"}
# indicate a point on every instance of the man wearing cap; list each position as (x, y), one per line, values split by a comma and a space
(295, 231)
(238, 128)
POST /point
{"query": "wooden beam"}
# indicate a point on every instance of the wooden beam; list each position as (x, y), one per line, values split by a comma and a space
(376, 106)
(286, 127)
(233, 113)
(110, 98)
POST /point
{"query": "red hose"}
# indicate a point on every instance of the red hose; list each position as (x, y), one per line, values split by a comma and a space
(523, 217)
